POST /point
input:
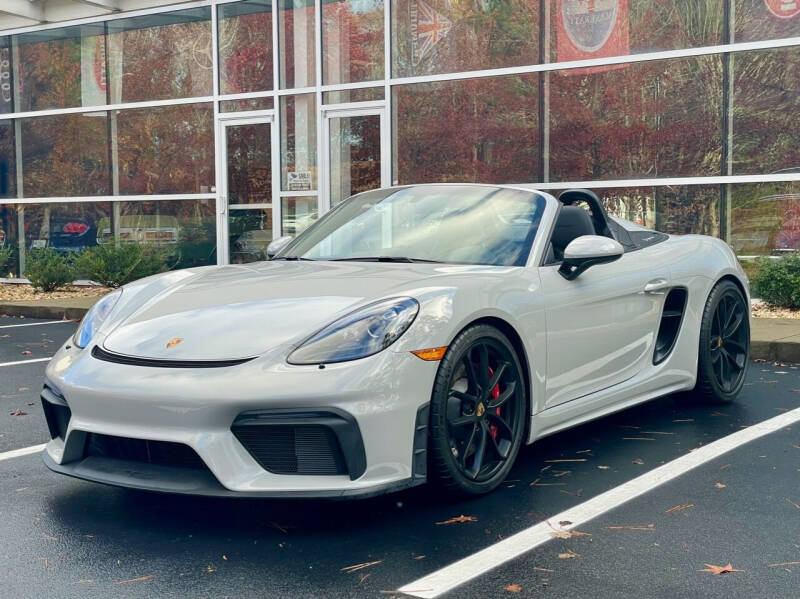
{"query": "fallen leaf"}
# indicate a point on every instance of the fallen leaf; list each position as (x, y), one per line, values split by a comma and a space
(638, 439)
(784, 564)
(717, 570)
(357, 567)
(720, 485)
(283, 529)
(418, 557)
(638, 461)
(458, 520)
(140, 579)
(362, 578)
(577, 493)
(684, 420)
(603, 467)
(649, 527)
(27, 352)
(566, 460)
(538, 484)
(564, 523)
(18, 413)
(23, 389)
(679, 508)
(513, 588)
(792, 502)
(568, 554)
(656, 433)
(225, 558)
(537, 569)
(210, 568)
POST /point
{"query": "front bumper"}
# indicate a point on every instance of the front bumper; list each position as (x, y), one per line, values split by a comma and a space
(374, 410)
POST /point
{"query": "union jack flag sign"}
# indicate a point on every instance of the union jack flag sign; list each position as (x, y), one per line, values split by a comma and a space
(428, 28)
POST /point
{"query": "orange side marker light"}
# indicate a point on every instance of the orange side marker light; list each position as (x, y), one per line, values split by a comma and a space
(430, 355)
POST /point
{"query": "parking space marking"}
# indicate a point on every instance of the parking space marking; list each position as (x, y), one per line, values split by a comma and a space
(16, 453)
(25, 362)
(34, 324)
(472, 566)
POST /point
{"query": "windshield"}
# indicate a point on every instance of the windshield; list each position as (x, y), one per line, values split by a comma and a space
(466, 224)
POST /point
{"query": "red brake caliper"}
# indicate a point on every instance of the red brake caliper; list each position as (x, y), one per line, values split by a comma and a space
(494, 395)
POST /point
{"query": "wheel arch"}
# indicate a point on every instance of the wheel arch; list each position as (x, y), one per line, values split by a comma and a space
(736, 281)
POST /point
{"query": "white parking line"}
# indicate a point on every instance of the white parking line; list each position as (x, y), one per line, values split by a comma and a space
(472, 566)
(24, 362)
(34, 324)
(16, 453)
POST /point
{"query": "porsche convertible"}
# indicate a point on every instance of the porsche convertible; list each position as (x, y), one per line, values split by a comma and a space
(413, 334)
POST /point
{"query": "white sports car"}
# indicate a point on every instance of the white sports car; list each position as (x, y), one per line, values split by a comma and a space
(413, 334)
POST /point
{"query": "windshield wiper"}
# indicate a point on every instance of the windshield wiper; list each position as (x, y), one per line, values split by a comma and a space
(292, 258)
(404, 259)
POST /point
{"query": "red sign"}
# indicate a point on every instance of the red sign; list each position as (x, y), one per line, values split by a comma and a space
(785, 9)
(591, 29)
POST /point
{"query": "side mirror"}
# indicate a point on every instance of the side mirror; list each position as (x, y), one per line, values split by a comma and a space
(588, 250)
(277, 245)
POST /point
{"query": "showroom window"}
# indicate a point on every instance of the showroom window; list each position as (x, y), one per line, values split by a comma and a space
(166, 149)
(245, 46)
(476, 130)
(439, 36)
(352, 41)
(162, 56)
(296, 35)
(65, 155)
(299, 140)
(636, 120)
(766, 105)
(61, 68)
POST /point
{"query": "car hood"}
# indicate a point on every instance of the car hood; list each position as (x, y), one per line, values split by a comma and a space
(232, 312)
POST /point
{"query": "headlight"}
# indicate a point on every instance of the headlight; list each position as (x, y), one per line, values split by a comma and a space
(360, 334)
(95, 317)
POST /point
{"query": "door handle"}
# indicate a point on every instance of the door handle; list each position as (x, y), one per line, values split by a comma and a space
(656, 286)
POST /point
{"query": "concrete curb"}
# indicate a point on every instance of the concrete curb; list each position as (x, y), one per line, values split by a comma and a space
(775, 351)
(49, 312)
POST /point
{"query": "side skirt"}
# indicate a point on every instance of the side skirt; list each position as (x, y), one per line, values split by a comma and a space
(602, 403)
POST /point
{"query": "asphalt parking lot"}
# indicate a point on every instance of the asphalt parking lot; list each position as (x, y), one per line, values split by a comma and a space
(61, 537)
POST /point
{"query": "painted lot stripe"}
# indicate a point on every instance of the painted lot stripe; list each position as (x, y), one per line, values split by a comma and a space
(16, 453)
(472, 566)
(34, 324)
(24, 362)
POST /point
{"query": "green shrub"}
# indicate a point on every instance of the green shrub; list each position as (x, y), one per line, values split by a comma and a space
(6, 255)
(48, 270)
(113, 266)
(777, 281)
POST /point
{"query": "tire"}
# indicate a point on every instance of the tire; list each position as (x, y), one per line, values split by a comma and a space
(470, 414)
(724, 349)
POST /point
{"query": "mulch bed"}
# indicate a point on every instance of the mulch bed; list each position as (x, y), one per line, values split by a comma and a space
(15, 292)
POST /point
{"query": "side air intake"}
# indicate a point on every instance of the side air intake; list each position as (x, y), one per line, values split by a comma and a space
(671, 319)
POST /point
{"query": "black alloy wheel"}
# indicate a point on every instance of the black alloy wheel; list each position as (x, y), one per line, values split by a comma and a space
(724, 343)
(477, 411)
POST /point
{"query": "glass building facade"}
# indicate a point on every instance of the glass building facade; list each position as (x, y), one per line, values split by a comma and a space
(209, 128)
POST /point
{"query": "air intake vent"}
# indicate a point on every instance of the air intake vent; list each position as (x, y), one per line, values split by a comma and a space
(305, 449)
(159, 453)
(671, 319)
(56, 412)
(323, 442)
